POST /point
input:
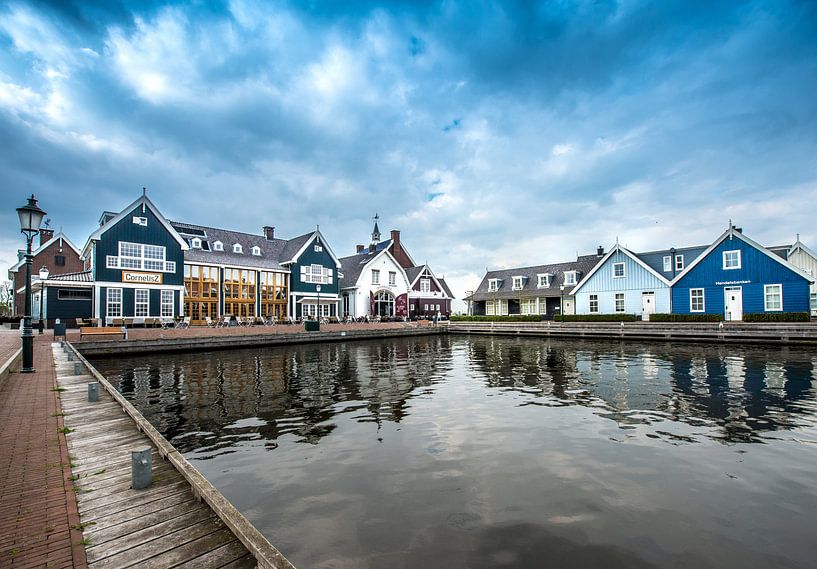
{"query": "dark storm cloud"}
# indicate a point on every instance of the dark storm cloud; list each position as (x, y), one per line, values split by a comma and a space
(490, 133)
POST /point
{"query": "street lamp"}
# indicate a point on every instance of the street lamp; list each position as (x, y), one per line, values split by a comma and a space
(31, 217)
(561, 302)
(318, 312)
(43, 278)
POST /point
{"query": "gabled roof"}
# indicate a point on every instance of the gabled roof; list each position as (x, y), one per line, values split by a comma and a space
(268, 259)
(781, 251)
(413, 274)
(445, 288)
(655, 259)
(616, 248)
(799, 245)
(583, 264)
(81, 276)
(296, 246)
(45, 246)
(142, 200)
(353, 265)
(733, 233)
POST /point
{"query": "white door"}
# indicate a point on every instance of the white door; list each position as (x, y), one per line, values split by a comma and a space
(647, 305)
(733, 302)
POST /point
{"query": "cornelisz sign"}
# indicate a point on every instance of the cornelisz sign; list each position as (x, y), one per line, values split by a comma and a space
(141, 278)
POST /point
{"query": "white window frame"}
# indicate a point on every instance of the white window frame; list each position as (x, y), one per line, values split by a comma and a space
(623, 302)
(593, 304)
(167, 301)
(679, 262)
(141, 256)
(623, 266)
(110, 302)
(218, 246)
(318, 248)
(256, 250)
(570, 278)
(195, 243)
(143, 221)
(813, 301)
(425, 285)
(375, 276)
(493, 285)
(544, 280)
(692, 292)
(392, 278)
(766, 297)
(237, 248)
(518, 283)
(726, 255)
(111, 262)
(667, 263)
(141, 307)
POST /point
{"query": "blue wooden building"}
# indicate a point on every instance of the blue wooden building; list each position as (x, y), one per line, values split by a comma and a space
(136, 261)
(312, 263)
(737, 276)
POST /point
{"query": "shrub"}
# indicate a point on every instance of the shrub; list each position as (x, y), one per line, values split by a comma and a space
(595, 318)
(510, 318)
(685, 317)
(777, 317)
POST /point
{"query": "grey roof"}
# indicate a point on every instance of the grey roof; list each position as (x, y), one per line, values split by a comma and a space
(655, 259)
(268, 259)
(82, 276)
(352, 266)
(413, 272)
(781, 251)
(583, 264)
(293, 246)
(445, 288)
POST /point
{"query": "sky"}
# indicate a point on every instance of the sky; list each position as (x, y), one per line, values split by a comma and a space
(491, 134)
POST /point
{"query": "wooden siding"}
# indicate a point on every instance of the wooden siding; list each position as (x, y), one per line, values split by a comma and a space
(68, 308)
(312, 257)
(757, 270)
(636, 280)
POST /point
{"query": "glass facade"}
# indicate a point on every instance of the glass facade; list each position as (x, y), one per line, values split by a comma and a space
(239, 292)
(274, 288)
(200, 293)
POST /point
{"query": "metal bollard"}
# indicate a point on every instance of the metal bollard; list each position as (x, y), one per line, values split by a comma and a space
(141, 468)
(77, 368)
(70, 357)
(93, 391)
(62, 344)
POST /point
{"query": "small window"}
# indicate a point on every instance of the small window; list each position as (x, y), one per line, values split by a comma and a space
(59, 260)
(731, 260)
(667, 263)
(517, 283)
(218, 246)
(544, 281)
(493, 284)
(392, 278)
(679, 262)
(618, 270)
(256, 251)
(570, 277)
(143, 221)
(773, 296)
(73, 294)
(425, 285)
(813, 301)
(318, 248)
(237, 248)
(196, 243)
(375, 276)
(594, 303)
(619, 302)
(696, 300)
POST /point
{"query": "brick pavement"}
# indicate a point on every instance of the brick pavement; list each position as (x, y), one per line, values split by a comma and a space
(39, 523)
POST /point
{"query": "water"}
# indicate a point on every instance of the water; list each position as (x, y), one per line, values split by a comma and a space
(496, 452)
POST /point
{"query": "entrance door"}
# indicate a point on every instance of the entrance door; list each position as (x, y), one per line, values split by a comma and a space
(733, 302)
(647, 305)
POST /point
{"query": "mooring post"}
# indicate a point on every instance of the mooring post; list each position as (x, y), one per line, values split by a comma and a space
(93, 391)
(141, 468)
(77, 368)
(70, 357)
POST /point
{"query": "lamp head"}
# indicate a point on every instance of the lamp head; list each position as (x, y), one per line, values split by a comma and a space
(44, 273)
(31, 217)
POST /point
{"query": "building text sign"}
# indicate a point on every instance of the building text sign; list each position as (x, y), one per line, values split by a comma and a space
(729, 283)
(141, 278)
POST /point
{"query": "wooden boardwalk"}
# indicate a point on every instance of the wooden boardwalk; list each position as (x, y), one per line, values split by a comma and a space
(164, 525)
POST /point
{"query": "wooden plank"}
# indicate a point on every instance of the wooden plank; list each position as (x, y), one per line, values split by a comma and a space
(189, 551)
(246, 562)
(104, 510)
(217, 558)
(180, 500)
(146, 520)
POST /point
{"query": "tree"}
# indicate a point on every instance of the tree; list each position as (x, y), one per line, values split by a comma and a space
(6, 298)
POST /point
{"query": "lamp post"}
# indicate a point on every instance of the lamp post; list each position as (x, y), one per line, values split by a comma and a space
(31, 217)
(561, 302)
(43, 278)
(318, 312)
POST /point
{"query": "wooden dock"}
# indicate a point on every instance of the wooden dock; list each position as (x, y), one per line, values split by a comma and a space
(181, 520)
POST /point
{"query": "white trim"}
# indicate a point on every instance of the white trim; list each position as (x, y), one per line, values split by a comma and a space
(765, 298)
(679, 258)
(309, 242)
(623, 303)
(238, 249)
(218, 246)
(136, 302)
(256, 250)
(739, 258)
(667, 263)
(521, 282)
(703, 300)
(631, 255)
(14, 268)
(799, 245)
(623, 270)
(732, 233)
(495, 286)
(433, 276)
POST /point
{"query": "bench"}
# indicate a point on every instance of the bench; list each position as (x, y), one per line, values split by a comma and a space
(104, 331)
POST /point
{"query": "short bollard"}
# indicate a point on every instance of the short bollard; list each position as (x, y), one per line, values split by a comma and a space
(141, 472)
(93, 391)
(70, 357)
(77, 368)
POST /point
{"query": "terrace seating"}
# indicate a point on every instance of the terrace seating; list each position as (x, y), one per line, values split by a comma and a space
(101, 331)
(210, 322)
(184, 323)
(166, 323)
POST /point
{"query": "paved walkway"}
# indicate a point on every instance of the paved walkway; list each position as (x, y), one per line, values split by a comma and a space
(39, 524)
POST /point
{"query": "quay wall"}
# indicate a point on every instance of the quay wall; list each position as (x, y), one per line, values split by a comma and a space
(10, 365)
(91, 348)
(712, 332)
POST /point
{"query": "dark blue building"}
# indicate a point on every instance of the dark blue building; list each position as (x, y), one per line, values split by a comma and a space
(136, 262)
(736, 276)
(311, 263)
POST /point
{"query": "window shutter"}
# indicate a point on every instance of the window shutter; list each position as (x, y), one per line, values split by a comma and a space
(328, 276)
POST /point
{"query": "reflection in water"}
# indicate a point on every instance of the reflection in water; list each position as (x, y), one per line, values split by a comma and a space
(498, 452)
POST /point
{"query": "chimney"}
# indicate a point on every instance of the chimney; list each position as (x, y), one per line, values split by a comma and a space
(395, 237)
(269, 232)
(21, 253)
(46, 233)
(600, 251)
(360, 249)
(739, 229)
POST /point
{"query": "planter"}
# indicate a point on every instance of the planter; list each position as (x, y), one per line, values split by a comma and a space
(312, 326)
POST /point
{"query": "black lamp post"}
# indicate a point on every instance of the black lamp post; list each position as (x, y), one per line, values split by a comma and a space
(318, 313)
(31, 217)
(43, 278)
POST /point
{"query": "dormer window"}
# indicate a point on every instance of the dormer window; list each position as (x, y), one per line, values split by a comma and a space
(218, 246)
(518, 282)
(256, 251)
(570, 278)
(543, 280)
(196, 243)
(493, 284)
(237, 248)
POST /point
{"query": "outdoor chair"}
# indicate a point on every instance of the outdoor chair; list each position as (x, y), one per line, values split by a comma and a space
(210, 322)
(138, 321)
(166, 323)
(184, 323)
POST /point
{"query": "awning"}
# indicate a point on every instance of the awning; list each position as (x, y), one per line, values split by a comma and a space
(314, 299)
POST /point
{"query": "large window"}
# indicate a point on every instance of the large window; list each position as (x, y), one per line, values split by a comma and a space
(141, 257)
(773, 295)
(384, 303)
(425, 285)
(239, 292)
(114, 303)
(200, 293)
(308, 310)
(316, 274)
(619, 302)
(696, 300)
(142, 302)
(731, 260)
(375, 277)
(618, 270)
(594, 303)
(273, 288)
(167, 304)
